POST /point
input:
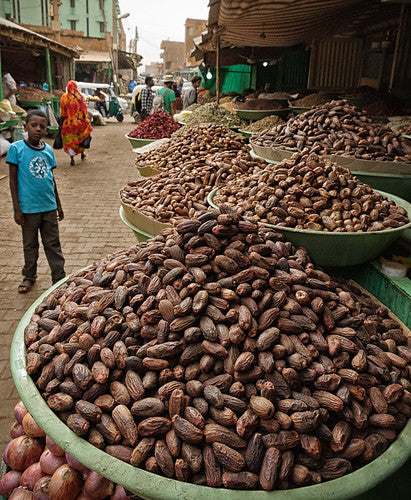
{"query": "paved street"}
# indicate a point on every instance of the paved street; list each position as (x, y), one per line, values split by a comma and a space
(90, 230)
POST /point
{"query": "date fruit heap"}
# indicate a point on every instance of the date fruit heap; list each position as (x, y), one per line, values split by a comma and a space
(308, 192)
(181, 191)
(219, 355)
(337, 128)
(156, 126)
(190, 145)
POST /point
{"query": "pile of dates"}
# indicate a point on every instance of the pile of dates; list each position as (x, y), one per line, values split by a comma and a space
(337, 128)
(218, 354)
(180, 192)
(192, 145)
(308, 192)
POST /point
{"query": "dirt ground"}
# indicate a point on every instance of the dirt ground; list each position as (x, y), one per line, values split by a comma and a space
(89, 192)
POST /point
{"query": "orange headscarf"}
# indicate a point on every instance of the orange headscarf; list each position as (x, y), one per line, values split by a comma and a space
(76, 124)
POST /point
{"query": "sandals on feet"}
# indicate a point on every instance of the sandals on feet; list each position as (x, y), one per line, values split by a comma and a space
(26, 285)
(83, 156)
(72, 161)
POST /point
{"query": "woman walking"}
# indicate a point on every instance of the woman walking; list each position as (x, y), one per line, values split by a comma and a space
(76, 127)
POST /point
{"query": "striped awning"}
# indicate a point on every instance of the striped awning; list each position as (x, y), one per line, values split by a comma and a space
(283, 23)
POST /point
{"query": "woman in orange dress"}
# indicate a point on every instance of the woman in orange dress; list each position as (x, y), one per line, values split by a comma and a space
(76, 126)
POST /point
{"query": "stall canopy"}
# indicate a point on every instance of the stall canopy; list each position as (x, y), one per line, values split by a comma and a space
(284, 23)
(11, 33)
(94, 57)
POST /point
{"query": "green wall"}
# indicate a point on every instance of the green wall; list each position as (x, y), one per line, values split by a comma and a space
(86, 14)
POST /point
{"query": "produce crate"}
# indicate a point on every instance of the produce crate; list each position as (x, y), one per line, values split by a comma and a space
(155, 487)
(341, 249)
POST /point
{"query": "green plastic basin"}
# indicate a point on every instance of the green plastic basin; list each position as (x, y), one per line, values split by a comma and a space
(341, 249)
(298, 110)
(246, 133)
(138, 143)
(398, 185)
(138, 233)
(153, 487)
(258, 114)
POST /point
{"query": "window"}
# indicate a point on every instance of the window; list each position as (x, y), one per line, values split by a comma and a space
(73, 25)
(102, 28)
(72, 3)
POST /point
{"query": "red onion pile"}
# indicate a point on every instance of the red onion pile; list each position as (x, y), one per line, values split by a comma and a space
(38, 469)
(156, 126)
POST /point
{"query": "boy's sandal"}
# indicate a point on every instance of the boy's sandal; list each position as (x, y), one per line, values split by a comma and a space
(26, 285)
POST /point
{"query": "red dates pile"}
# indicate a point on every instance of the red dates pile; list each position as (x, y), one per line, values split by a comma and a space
(156, 126)
(308, 192)
(218, 354)
(337, 128)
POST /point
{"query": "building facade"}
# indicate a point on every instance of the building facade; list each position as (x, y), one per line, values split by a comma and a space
(173, 55)
(193, 29)
(91, 27)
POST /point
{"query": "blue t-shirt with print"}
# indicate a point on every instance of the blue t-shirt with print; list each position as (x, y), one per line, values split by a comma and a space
(35, 181)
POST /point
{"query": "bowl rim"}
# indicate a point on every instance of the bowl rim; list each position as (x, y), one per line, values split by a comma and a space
(148, 484)
(138, 138)
(212, 193)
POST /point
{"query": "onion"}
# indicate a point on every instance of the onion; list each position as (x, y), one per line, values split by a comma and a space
(31, 475)
(21, 493)
(97, 487)
(53, 447)
(16, 430)
(22, 452)
(41, 488)
(65, 484)
(31, 428)
(49, 463)
(75, 464)
(19, 411)
(120, 493)
(9, 482)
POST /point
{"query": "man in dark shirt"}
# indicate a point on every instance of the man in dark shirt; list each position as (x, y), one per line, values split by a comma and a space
(146, 98)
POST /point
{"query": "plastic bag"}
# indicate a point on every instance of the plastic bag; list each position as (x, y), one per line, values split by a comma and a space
(6, 106)
(18, 133)
(50, 116)
(4, 145)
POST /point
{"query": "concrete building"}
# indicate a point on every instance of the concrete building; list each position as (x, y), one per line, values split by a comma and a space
(173, 55)
(88, 26)
(193, 29)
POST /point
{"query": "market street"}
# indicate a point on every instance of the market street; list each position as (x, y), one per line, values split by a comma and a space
(91, 229)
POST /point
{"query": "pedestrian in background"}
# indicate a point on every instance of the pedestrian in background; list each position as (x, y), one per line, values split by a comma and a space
(146, 98)
(76, 127)
(36, 202)
(190, 95)
(165, 98)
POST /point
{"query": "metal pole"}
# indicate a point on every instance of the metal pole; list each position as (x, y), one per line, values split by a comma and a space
(48, 62)
(217, 77)
(1, 79)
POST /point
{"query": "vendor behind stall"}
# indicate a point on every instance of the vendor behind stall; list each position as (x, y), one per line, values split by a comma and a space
(9, 88)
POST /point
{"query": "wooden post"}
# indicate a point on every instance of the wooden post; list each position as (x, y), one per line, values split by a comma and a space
(401, 27)
(71, 72)
(1, 79)
(217, 77)
(48, 63)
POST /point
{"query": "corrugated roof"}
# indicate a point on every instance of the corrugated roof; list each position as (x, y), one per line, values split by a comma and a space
(7, 29)
(283, 23)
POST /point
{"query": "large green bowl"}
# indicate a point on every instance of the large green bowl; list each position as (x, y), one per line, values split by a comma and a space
(341, 249)
(153, 487)
(138, 233)
(138, 143)
(298, 110)
(258, 114)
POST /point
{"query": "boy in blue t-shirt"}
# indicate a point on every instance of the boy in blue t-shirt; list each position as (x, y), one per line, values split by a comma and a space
(35, 198)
